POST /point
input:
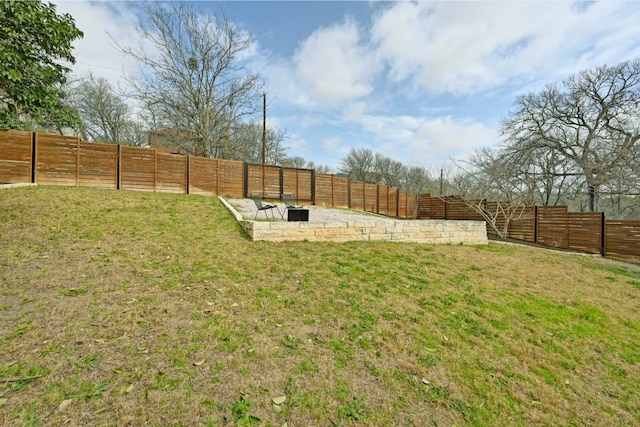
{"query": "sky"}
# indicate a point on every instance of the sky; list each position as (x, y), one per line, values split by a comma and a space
(420, 82)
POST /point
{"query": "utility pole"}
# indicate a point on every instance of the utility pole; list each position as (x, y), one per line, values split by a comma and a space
(264, 128)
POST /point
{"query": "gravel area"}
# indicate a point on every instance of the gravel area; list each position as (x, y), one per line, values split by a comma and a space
(247, 208)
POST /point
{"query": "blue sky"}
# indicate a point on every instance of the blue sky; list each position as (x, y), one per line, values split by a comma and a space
(420, 82)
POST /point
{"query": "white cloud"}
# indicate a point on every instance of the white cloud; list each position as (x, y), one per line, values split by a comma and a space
(102, 23)
(450, 137)
(333, 64)
(411, 138)
(469, 47)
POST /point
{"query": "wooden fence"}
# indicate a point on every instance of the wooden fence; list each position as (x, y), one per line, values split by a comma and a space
(552, 226)
(48, 159)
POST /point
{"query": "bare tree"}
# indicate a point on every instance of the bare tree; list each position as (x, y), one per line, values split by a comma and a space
(550, 176)
(301, 163)
(193, 77)
(591, 120)
(294, 162)
(318, 168)
(359, 165)
(388, 171)
(491, 185)
(244, 143)
(104, 115)
(416, 180)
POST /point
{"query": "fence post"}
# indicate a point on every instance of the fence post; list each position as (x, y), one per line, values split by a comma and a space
(603, 235)
(535, 224)
(78, 163)
(187, 174)
(313, 187)
(34, 163)
(118, 167)
(245, 180)
(155, 169)
(446, 207)
(281, 183)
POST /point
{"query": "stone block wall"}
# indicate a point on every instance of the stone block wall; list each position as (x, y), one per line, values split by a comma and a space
(418, 231)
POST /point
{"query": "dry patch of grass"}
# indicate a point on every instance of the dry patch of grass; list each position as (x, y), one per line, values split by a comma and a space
(126, 308)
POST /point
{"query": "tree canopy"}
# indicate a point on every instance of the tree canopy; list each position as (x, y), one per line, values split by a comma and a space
(192, 75)
(35, 48)
(105, 117)
(591, 123)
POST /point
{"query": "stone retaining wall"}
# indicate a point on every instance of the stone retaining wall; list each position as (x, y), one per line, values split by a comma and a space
(418, 231)
(422, 231)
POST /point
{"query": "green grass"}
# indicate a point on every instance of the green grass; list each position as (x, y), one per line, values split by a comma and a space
(156, 309)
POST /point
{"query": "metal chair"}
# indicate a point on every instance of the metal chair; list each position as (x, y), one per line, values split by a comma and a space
(260, 206)
(289, 201)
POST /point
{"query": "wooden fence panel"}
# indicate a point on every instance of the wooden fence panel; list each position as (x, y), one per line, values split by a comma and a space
(553, 227)
(371, 198)
(431, 207)
(622, 238)
(456, 209)
(203, 176)
(171, 173)
(523, 226)
(340, 192)
(15, 157)
(357, 196)
(382, 196)
(331, 191)
(263, 180)
(98, 165)
(410, 202)
(57, 159)
(459, 209)
(405, 204)
(137, 168)
(298, 183)
(230, 178)
(392, 202)
(324, 189)
(585, 231)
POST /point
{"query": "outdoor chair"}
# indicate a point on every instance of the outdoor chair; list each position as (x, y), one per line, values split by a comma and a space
(260, 206)
(289, 201)
(296, 213)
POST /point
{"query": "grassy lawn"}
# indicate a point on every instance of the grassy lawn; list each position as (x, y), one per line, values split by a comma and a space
(129, 308)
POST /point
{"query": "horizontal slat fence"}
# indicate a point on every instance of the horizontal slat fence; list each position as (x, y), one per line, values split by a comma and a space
(551, 226)
(49, 159)
(299, 183)
(585, 231)
(523, 226)
(331, 190)
(16, 156)
(622, 238)
(98, 166)
(137, 169)
(263, 180)
(57, 159)
(405, 204)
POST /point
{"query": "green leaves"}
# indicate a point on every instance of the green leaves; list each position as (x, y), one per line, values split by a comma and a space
(35, 47)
